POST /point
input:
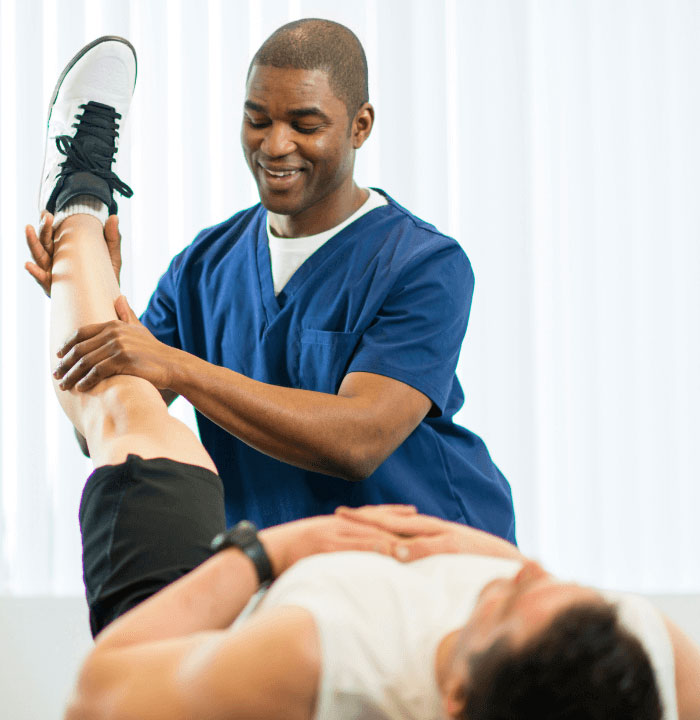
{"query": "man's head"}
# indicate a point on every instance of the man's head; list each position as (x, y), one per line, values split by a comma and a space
(305, 115)
(539, 648)
(315, 44)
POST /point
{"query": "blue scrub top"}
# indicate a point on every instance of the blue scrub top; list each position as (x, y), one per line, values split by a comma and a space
(388, 294)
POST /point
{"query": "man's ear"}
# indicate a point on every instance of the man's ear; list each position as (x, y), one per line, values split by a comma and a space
(362, 125)
(455, 697)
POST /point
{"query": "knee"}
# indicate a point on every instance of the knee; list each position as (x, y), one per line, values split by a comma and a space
(122, 405)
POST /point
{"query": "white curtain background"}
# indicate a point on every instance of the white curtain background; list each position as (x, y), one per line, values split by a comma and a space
(557, 141)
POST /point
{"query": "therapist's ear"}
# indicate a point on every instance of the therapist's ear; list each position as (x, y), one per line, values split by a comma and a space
(361, 126)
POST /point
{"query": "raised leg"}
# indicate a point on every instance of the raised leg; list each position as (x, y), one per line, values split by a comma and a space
(125, 414)
(145, 521)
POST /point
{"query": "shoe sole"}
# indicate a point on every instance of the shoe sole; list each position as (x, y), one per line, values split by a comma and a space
(81, 52)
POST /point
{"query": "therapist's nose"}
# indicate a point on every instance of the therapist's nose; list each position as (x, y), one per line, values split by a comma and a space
(277, 141)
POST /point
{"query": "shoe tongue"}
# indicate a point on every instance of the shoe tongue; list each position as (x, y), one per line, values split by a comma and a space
(96, 147)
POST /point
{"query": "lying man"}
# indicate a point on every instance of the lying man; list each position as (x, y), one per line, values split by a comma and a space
(469, 629)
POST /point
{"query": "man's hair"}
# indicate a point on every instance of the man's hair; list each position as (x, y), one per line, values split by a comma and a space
(315, 44)
(584, 666)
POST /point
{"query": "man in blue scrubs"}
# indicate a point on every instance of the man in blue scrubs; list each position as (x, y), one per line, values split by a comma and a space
(316, 333)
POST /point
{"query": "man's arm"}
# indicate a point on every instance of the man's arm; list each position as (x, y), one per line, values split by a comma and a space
(154, 666)
(347, 435)
(173, 656)
(211, 596)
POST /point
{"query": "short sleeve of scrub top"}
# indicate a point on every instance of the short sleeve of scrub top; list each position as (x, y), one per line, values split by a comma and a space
(161, 315)
(417, 334)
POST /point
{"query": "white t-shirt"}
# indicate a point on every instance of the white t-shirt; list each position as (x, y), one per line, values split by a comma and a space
(380, 623)
(288, 254)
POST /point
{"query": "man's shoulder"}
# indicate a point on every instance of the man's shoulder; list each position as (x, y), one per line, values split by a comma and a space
(233, 228)
(217, 240)
(416, 232)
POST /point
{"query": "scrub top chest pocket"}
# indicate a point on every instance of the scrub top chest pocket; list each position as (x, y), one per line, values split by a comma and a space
(324, 358)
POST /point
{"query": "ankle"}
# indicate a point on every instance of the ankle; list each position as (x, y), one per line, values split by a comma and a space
(82, 205)
(78, 223)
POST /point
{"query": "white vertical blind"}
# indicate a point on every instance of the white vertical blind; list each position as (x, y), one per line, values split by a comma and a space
(557, 141)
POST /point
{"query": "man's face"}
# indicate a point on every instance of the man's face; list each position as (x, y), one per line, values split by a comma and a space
(516, 609)
(296, 139)
(520, 607)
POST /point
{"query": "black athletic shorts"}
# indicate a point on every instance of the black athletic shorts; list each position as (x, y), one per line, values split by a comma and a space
(144, 523)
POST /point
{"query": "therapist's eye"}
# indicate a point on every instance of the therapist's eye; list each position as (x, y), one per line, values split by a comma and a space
(256, 123)
(306, 129)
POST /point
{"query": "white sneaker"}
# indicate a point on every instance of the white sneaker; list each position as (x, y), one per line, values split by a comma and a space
(91, 97)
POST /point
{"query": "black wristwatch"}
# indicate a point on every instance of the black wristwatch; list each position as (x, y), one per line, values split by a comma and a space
(244, 536)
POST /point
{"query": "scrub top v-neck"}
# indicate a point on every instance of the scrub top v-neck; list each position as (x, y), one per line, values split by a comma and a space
(273, 304)
(389, 295)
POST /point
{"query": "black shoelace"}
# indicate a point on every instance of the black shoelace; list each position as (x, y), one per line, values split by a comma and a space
(100, 121)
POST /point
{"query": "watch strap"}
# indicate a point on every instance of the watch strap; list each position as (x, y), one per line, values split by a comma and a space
(244, 536)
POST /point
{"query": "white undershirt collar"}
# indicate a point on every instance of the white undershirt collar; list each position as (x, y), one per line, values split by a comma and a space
(288, 254)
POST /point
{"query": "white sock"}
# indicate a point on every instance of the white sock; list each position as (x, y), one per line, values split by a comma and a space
(84, 205)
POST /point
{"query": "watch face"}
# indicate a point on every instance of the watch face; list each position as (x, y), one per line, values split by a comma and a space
(243, 534)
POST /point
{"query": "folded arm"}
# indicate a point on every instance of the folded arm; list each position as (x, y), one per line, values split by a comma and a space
(174, 656)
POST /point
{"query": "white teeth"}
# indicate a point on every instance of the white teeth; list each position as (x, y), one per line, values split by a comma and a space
(281, 173)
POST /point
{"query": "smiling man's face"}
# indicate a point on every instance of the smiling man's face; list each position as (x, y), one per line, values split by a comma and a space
(300, 146)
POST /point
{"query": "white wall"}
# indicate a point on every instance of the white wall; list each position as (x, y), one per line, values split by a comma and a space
(556, 141)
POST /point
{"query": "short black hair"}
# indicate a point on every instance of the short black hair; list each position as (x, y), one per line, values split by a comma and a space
(583, 666)
(315, 44)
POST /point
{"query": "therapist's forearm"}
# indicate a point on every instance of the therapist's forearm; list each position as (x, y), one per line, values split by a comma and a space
(316, 431)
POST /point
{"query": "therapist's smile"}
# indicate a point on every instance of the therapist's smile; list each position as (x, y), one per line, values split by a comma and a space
(279, 178)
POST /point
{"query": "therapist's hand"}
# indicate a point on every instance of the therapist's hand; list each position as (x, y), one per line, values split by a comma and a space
(119, 347)
(113, 239)
(41, 249)
(41, 246)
